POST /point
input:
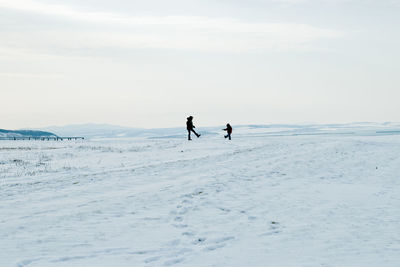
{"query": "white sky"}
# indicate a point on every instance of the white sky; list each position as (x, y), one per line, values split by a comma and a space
(152, 63)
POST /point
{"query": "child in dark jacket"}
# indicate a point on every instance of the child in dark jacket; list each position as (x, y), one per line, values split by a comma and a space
(228, 129)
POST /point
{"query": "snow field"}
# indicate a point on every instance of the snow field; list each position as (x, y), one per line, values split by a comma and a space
(259, 201)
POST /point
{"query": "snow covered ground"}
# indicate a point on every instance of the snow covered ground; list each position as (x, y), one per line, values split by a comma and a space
(258, 200)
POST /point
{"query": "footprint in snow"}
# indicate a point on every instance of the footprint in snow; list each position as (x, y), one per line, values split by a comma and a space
(252, 218)
(188, 233)
(173, 243)
(275, 228)
(223, 239)
(180, 225)
(178, 219)
(211, 248)
(224, 210)
(183, 210)
(152, 259)
(173, 262)
(199, 240)
(218, 243)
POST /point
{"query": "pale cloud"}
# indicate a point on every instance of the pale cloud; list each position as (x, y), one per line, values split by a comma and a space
(28, 75)
(194, 33)
(275, 37)
(55, 10)
(361, 2)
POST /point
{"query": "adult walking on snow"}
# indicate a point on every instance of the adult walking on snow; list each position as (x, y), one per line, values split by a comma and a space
(190, 127)
(228, 129)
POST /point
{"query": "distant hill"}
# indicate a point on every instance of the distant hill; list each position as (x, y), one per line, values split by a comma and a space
(114, 131)
(24, 133)
(254, 130)
(93, 130)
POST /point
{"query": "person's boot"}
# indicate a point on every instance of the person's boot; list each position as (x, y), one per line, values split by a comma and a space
(198, 135)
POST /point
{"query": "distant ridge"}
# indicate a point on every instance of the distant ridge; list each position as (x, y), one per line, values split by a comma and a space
(93, 131)
(115, 131)
(25, 133)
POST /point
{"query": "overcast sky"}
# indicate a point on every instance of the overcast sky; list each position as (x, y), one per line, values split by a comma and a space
(152, 63)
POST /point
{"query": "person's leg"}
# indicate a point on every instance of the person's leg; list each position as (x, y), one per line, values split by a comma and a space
(229, 136)
(189, 135)
(198, 135)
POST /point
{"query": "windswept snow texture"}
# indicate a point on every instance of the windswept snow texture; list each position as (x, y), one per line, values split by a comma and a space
(258, 200)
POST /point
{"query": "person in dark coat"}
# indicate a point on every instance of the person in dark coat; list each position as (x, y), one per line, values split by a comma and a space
(190, 127)
(228, 129)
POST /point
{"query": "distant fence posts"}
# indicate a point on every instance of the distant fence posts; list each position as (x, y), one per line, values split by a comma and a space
(53, 138)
